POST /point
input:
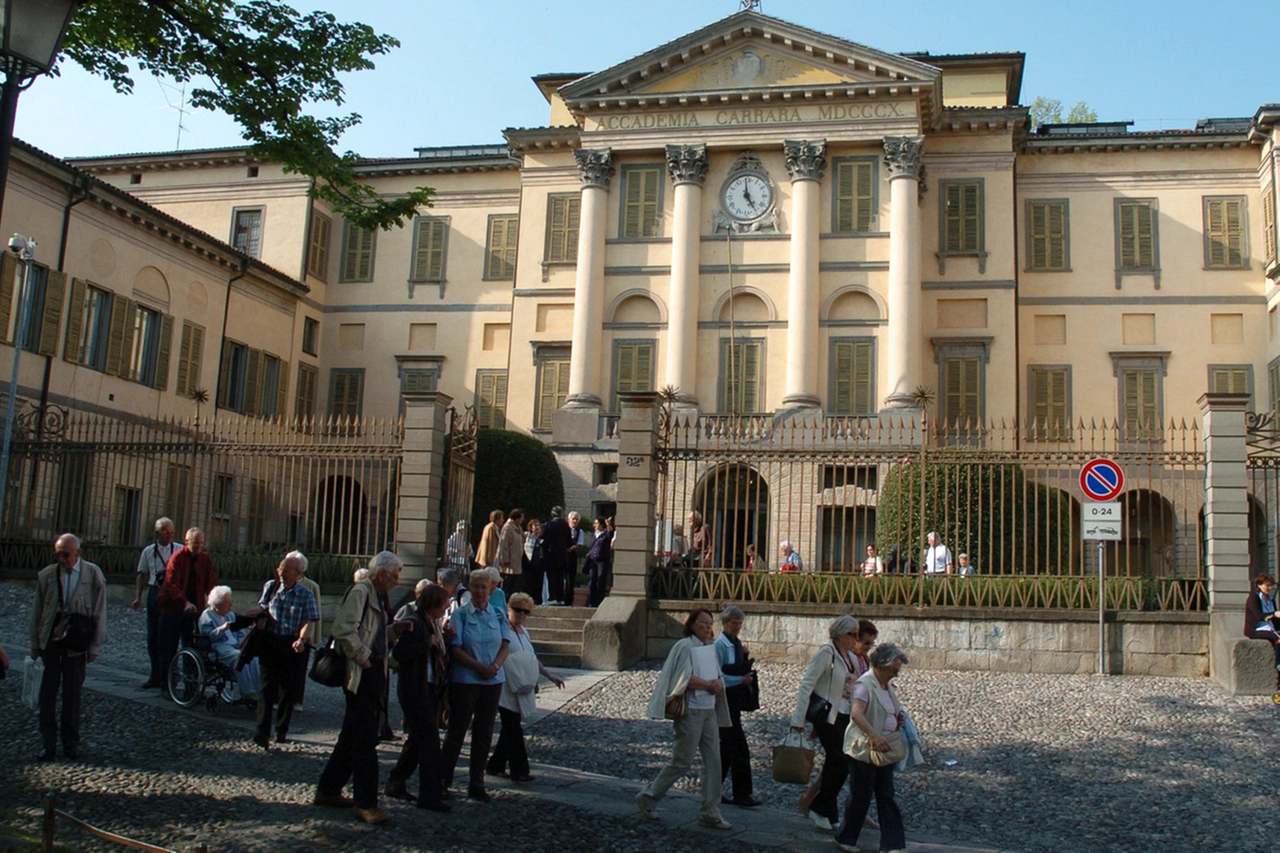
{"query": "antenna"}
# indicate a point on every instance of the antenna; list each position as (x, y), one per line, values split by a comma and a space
(751, 5)
(180, 108)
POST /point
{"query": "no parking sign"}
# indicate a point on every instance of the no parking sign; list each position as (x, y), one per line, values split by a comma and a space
(1101, 479)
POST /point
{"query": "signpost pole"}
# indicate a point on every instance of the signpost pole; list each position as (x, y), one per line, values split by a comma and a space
(1102, 604)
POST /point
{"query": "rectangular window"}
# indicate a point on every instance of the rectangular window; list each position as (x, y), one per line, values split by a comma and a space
(962, 216)
(553, 389)
(491, 398)
(43, 294)
(33, 294)
(1231, 378)
(430, 237)
(96, 326)
(1136, 235)
(641, 201)
(1224, 246)
(128, 509)
(318, 247)
(177, 495)
(220, 510)
(500, 252)
(741, 376)
(1269, 225)
(145, 345)
(1047, 236)
(346, 393)
(269, 404)
(855, 196)
(962, 392)
(632, 368)
(190, 356)
(1273, 385)
(1140, 394)
(246, 231)
(853, 377)
(357, 254)
(1050, 403)
(562, 228)
(310, 336)
(304, 407)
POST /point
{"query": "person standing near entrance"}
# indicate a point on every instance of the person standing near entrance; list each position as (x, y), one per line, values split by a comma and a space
(937, 559)
(511, 553)
(556, 540)
(68, 592)
(151, 566)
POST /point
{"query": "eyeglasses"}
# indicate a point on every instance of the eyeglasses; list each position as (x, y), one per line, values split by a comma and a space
(63, 553)
(521, 611)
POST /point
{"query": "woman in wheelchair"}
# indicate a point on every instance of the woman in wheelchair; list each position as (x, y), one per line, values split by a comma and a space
(218, 624)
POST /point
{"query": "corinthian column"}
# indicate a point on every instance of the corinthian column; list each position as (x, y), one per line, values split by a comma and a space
(596, 167)
(902, 158)
(805, 161)
(687, 165)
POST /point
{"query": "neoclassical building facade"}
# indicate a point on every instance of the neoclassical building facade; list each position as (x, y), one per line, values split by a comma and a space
(769, 219)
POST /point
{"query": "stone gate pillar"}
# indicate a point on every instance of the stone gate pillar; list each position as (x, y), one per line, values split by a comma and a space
(1234, 661)
(421, 494)
(615, 637)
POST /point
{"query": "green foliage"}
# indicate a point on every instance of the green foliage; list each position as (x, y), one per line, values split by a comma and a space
(513, 470)
(988, 509)
(262, 63)
(1049, 111)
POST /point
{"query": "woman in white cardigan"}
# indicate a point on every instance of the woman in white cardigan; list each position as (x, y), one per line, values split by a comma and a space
(695, 677)
(829, 679)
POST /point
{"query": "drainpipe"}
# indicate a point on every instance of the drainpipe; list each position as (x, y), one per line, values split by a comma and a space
(222, 339)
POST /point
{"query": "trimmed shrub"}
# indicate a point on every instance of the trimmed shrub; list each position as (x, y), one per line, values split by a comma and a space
(513, 470)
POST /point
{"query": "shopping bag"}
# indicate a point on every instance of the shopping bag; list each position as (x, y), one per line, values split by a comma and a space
(32, 676)
(792, 760)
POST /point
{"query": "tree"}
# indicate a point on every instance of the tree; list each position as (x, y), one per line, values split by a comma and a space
(265, 65)
(1049, 111)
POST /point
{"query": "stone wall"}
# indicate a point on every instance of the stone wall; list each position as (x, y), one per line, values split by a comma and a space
(973, 640)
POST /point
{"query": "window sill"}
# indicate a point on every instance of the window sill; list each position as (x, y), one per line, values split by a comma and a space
(980, 254)
(1046, 270)
(1154, 272)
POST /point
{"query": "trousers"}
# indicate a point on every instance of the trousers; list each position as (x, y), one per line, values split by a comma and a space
(355, 755)
(697, 731)
(472, 706)
(66, 672)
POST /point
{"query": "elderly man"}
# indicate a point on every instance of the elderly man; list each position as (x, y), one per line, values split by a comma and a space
(937, 559)
(557, 539)
(68, 626)
(188, 579)
(317, 630)
(285, 647)
(579, 542)
(701, 553)
(151, 565)
(360, 630)
(511, 552)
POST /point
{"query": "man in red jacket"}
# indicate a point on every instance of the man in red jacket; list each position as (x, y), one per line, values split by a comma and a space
(187, 581)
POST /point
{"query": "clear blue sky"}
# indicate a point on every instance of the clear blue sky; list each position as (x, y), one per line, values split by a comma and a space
(462, 72)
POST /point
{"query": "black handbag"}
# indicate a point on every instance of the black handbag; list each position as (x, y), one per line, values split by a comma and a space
(819, 709)
(329, 666)
(72, 632)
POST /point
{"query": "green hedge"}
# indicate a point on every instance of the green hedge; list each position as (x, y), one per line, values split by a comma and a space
(513, 470)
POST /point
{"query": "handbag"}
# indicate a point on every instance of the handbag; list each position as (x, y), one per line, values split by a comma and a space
(32, 676)
(792, 760)
(819, 709)
(73, 632)
(865, 752)
(677, 705)
(745, 697)
(329, 666)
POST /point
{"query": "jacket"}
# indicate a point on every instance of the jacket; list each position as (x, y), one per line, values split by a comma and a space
(825, 676)
(674, 680)
(358, 620)
(557, 539)
(876, 713)
(172, 598)
(89, 599)
(1252, 616)
(511, 549)
(487, 553)
(411, 652)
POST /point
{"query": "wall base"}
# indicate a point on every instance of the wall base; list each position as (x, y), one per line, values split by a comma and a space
(614, 639)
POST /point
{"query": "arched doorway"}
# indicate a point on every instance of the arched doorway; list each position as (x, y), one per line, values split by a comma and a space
(1149, 546)
(339, 516)
(734, 500)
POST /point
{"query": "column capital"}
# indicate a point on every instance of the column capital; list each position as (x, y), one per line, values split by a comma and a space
(687, 164)
(595, 165)
(806, 158)
(903, 156)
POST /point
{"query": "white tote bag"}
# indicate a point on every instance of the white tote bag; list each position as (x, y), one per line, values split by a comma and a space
(32, 676)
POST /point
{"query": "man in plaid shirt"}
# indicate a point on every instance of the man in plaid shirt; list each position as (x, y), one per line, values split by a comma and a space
(294, 614)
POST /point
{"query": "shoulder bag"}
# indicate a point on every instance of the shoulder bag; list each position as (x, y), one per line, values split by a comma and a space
(329, 667)
(72, 632)
(819, 709)
(792, 760)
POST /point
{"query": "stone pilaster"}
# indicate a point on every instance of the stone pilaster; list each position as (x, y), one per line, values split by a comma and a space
(596, 168)
(422, 485)
(806, 161)
(903, 160)
(687, 165)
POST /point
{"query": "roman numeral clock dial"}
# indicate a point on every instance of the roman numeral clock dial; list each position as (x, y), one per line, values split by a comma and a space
(747, 197)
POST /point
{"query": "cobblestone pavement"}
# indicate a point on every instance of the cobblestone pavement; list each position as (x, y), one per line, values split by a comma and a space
(1041, 763)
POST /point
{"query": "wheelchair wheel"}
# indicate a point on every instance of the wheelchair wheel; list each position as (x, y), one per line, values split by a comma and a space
(186, 678)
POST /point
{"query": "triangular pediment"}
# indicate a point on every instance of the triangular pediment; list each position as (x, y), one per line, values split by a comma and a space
(750, 51)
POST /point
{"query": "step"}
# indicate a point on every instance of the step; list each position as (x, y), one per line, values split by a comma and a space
(541, 635)
(557, 646)
(556, 659)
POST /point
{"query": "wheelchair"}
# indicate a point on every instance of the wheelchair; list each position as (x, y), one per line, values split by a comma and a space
(195, 670)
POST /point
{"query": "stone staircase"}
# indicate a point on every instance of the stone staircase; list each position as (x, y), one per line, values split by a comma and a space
(556, 633)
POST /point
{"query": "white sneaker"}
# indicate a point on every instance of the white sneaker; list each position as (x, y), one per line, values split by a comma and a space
(820, 821)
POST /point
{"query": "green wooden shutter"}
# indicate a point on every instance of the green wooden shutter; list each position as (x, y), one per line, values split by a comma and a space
(428, 255)
(962, 392)
(346, 394)
(553, 390)
(183, 386)
(1056, 234)
(562, 240)
(253, 377)
(224, 375)
(55, 290)
(357, 255)
(121, 314)
(1139, 401)
(640, 217)
(282, 389)
(75, 319)
(1049, 403)
(8, 284)
(163, 348)
(1230, 380)
(751, 368)
(954, 237)
(304, 404)
(852, 379)
(971, 213)
(846, 202)
(1273, 384)
(1224, 229)
(1137, 236)
(1269, 224)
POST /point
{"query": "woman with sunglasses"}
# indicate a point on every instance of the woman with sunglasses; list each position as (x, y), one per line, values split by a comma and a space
(517, 693)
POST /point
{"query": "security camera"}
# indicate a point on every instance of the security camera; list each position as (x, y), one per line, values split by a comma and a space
(17, 243)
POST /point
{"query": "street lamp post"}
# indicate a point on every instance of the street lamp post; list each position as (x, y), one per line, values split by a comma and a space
(25, 249)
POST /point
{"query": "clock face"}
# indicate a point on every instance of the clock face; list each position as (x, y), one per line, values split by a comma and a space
(747, 197)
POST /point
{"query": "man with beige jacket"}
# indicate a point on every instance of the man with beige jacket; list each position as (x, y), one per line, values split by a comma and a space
(511, 553)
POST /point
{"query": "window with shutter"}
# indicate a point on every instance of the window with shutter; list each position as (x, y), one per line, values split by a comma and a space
(143, 341)
(563, 215)
(641, 201)
(177, 495)
(346, 395)
(310, 335)
(8, 288)
(318, 247)
(430, 237)
(1269, 225)
(501, 249)
(1050, 403)
(961, 392)
(51, 316)
(962, 216)
(633, 363)
(357, 254)
(1047, 235)
(246, 231)
(269, 389)
(855, 196)
(1135, 227)
(304, 405)
(742, 375)
(553, 390)
(1231, 379)
(95, 328)
(1224, 233)
(1141, 403)
(33, 300)
(190, 357)
(1273, 385)
(853, 377)
(491, 398)
(234, 374)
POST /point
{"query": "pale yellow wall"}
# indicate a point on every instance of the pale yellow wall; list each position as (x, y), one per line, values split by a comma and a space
(977, 87)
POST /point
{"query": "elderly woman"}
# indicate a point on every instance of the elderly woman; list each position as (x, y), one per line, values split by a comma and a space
(1260, 619)
(824, 699)
(217, 622)
(876, 713)
(490, 538)
(735, 665)
(790, 561)
(522, 670)
(424, 668)
(479, 649)
(690, 691)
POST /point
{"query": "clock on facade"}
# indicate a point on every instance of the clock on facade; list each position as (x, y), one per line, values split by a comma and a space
(747, 197)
